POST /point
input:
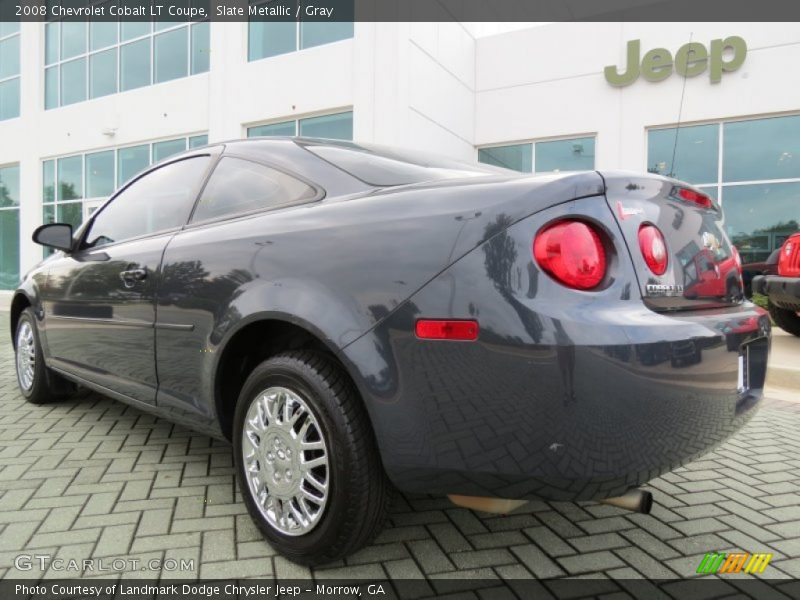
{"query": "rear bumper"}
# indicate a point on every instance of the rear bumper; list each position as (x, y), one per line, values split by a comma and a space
(782, 291)
(565, 395)
(577, 421)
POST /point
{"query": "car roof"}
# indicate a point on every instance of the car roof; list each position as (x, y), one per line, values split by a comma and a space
(289, 153)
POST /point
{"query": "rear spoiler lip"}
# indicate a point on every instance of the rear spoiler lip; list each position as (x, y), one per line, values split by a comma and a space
(611, 177)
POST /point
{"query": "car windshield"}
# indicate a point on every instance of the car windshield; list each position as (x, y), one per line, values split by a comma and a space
(385, 167)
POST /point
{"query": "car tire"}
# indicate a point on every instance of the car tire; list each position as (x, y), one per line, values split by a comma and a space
(36, 382)
(297, 400)
(786, 319)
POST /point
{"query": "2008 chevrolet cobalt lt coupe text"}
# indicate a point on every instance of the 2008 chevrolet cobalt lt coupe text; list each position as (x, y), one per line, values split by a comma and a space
(356, 319)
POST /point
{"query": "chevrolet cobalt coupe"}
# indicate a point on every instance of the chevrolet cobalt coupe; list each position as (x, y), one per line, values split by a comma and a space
(356, 319)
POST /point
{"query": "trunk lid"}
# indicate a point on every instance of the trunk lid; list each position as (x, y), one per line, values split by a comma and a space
(703, 269)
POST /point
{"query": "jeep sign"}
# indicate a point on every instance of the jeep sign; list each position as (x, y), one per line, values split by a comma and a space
(691, 59)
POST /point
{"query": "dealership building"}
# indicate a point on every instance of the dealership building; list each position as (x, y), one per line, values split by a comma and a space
(84, 107)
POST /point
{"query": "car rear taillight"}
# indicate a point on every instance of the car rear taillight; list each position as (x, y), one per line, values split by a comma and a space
(439, 329)
(654, 249)
(572, 253)
(789, 259)
(694, 197)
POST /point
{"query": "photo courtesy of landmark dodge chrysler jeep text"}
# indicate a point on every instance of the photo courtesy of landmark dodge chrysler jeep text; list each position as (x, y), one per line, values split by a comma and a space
(356, 319)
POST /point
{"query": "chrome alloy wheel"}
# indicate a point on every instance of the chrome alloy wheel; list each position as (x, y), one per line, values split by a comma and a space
(26, 356)
(285, 461)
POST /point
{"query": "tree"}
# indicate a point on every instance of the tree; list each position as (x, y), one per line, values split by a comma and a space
(790, 225)
(5, 196)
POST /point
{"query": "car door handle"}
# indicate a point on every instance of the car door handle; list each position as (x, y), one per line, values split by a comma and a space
(131, 276)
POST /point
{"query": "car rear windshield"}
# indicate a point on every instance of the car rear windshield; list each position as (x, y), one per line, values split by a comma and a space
(383, 167)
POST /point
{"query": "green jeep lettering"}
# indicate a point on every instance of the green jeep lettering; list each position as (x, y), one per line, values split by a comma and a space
(691, 59)
(657, 64)
(718, 65)
(613, 75)
(725, 55)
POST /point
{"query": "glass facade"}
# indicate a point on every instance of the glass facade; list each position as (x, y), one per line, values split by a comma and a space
(198, 140)
(759, 217)
(9, 227)
(71, 181)
(9, 70)
(267, 39)
(271, 38)
(518, 157)
(752, 167)
(130, 161)
(761, 149)
(103, 73)
(162, 150)
(99, 174)
(334, 127)
(317, 33)
(90, 60)
(696, 152)
(282, 128)
(574, 154)
(337, 126)
(565, 155)
(134, 65)
(171, 60)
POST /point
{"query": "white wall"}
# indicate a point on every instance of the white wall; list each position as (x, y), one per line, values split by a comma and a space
(415, 86)
(549, 81)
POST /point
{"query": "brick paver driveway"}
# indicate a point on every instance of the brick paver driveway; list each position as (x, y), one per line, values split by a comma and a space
(91, 477)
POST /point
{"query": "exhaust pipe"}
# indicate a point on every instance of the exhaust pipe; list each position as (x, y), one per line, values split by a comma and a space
(634, 499)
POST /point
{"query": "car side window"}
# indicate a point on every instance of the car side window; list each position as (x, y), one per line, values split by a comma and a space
(239, 186)
(159, 201)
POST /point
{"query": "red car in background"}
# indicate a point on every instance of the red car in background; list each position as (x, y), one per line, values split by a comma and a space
(711, 272)
(783, 289)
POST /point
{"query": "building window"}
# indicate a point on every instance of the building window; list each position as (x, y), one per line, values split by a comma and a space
(751, 166)
(271, 38)
(9, 70)
(197, 140)
(696, 151)
(91, 60)
(518, 157)
(130, 161)
(564, 155)
(74, 186)
(761, 149)
(574, 154)
(337, 126)
(9, 227)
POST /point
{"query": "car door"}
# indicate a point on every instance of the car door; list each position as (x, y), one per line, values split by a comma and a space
(207, 266)
(99, 300)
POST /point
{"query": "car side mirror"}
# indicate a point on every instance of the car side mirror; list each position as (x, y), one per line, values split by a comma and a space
(54, 235)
